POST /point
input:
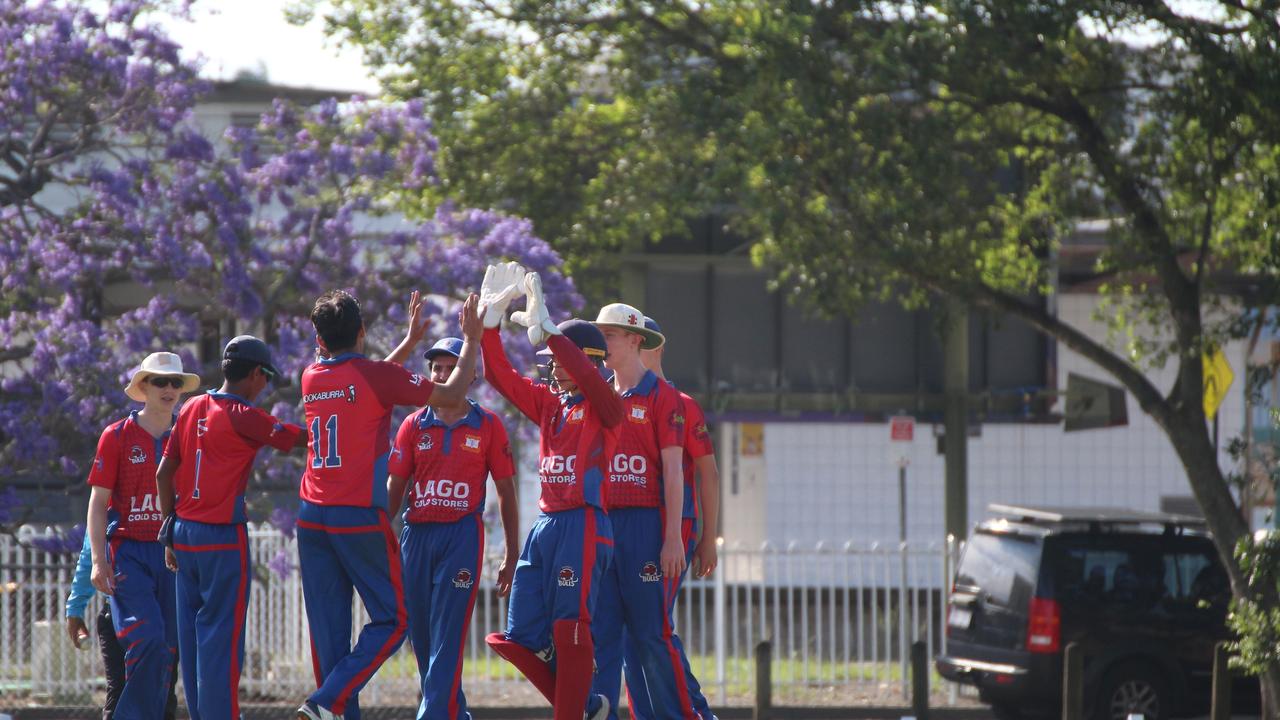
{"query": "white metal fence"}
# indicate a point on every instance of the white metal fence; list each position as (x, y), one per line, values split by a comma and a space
(841, 620)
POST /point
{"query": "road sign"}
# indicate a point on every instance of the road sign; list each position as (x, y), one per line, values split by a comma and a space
(902, 428)
(1093, 404)
(1217, 380)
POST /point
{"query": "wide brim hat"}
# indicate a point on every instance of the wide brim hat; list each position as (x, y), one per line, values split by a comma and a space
(160, 363)
(626, 317)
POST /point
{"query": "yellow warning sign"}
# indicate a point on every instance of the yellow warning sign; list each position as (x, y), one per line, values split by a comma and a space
(1217, 380)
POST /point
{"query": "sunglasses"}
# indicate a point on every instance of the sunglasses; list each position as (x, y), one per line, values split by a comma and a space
(268, 372)
(161, 381)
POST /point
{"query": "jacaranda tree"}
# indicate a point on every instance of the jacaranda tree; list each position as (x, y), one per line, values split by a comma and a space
(124, 230)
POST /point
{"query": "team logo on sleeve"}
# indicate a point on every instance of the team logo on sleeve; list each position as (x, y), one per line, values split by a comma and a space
(650, 572)
(639, 414)
(416, 379)
(463, 579)
(701, 432)
(137, 455)
(471, 443)
(351, 393)
(97, 463)
(567, 578)
(424, 442)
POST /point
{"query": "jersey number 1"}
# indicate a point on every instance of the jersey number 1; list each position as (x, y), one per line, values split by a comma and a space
(331, 459)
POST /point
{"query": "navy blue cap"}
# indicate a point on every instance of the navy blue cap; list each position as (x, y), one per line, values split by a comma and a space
(651, 324)
(445, 346)
(250, 348)
(583, 334)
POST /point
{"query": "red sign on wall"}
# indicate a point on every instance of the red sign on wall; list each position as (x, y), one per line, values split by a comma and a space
(902, 428)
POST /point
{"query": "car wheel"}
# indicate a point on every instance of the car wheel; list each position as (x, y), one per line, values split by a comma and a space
(1133, 688)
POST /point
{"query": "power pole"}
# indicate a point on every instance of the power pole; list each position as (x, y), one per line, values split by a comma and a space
(955, 350)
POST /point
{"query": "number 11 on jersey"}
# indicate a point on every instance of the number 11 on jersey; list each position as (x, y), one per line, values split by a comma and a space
(329, 459)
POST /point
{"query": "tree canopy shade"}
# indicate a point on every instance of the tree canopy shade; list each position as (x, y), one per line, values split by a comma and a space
(106, 182)
(874, 149)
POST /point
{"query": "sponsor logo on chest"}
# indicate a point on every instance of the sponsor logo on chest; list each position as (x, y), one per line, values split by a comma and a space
(471, 443)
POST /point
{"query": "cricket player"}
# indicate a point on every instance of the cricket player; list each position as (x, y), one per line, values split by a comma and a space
(108, 646)
(439, 464)
(344, 537)
(123, 521)
(702, 508)
(548, 636)
(646, 498)
(201, 484)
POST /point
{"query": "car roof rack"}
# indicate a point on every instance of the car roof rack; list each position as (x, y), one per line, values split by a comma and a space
(1094, 516)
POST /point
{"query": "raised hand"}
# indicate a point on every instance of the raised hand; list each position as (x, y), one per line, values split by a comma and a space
(501, 285)
(469, 319)
(535, 315)
(417, 324)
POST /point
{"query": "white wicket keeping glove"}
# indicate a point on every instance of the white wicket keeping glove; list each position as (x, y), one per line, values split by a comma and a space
(535, 315)
(502, 284)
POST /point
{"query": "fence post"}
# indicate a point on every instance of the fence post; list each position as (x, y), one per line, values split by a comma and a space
(720, 620)
(903, 617)
(1073, 683)
(1220, 707)
(919, 680)
(764, 682)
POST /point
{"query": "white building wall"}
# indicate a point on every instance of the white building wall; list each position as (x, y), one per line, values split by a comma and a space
(834, 482)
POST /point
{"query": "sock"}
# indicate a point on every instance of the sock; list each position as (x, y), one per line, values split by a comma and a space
(575, 658)
(526, 661)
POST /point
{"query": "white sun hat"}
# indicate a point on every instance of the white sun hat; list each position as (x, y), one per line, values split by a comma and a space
(161, 363)
(621, 315)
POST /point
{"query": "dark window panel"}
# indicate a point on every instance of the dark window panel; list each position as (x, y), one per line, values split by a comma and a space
(744, 333)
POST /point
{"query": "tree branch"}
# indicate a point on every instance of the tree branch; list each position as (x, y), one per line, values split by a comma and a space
(1148, 396)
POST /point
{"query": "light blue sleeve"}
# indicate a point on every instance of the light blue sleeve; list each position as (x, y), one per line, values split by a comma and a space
(81, 589)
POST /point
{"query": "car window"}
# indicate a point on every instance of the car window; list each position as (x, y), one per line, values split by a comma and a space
(1003, 567)
(1106, 575)
(1195, 579)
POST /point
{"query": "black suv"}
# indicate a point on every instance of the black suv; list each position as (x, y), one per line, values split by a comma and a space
(1143, 593)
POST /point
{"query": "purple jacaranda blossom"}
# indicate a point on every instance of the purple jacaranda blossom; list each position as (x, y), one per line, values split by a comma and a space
(282, 564)
(60, 541)
(164, 239)
(285, 520)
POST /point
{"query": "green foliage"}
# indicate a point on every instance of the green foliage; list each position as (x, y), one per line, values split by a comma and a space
(1256, 626)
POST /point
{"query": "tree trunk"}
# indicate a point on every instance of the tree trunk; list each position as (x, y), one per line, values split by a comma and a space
(1190, 439)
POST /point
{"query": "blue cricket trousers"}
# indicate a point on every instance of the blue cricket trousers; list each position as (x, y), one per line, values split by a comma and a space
(442, 565)
(635, 608)
(213, 600)
(633, 665)
(558, 575)
(341, 548)
(142, 610)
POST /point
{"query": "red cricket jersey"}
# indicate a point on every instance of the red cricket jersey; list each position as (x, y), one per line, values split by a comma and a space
(126, 464)
(579, 433)
(697, 444)
(215, 440)
(654, 419)
(448, 464)
(348, 401)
